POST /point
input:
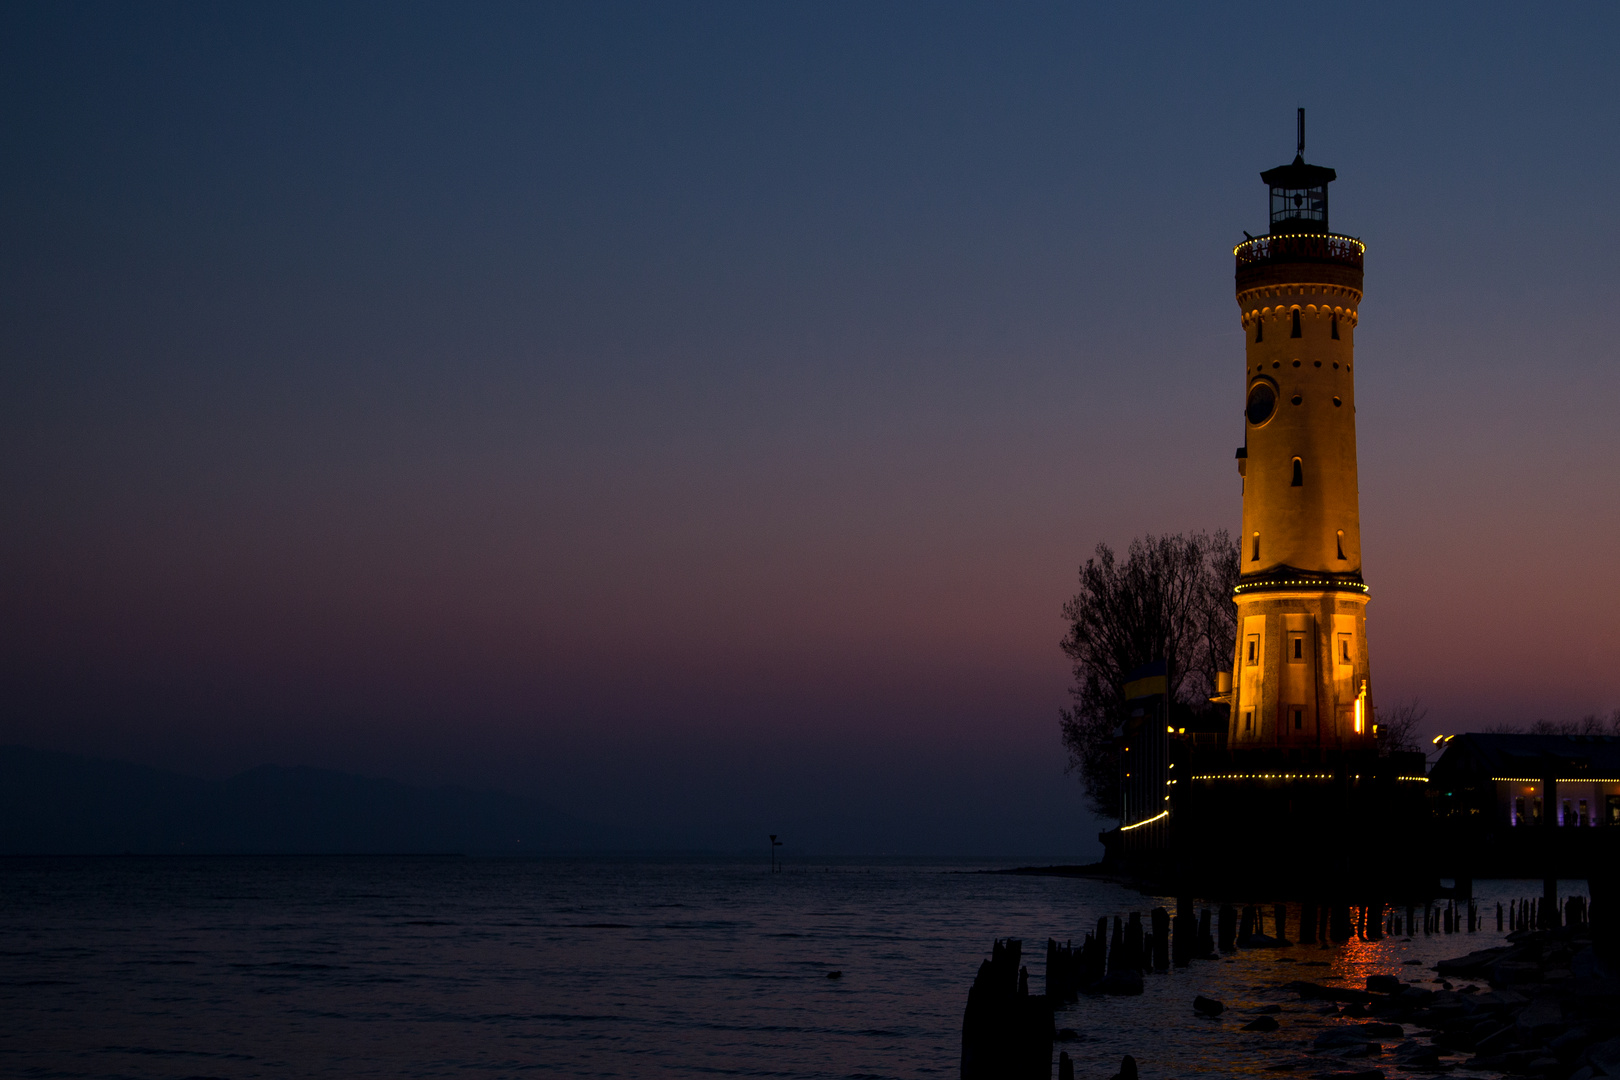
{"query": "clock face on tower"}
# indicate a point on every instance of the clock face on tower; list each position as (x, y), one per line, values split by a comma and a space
(1262, 402)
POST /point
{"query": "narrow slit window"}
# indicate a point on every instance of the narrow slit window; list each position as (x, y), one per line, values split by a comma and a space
(1335, 326)
(1251, 651)
(1299, 648)
(1299, 473)
(1297, 332)
(1344, 649)
(1248, 721)
(1341, 543)
(1259, 330)
(1299, 719)
(1254, 554)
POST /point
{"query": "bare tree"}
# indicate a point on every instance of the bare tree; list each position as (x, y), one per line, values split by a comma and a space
(1170, 600)
(1397, 726)
(1593, 724)
(1590, 724)
(1217, 614)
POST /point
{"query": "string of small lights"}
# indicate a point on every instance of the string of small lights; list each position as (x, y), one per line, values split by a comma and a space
(1264, 776)
(1288, 237)
(1556, 780)
(1156, 817)
(1312, 776)
(1314, 583)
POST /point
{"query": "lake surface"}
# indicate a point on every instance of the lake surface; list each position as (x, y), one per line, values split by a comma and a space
(401, 967)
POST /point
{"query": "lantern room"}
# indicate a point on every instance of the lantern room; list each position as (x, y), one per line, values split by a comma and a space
(1299, 197)
(1299, 193)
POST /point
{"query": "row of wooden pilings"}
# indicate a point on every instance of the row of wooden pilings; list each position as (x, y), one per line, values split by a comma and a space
(1534, 913)
(1007, 1032)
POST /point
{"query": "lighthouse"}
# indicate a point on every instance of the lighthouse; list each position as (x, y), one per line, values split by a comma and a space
(1300, 676)
(1300, 758)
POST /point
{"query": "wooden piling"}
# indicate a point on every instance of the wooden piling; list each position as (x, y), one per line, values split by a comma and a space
(1133, 942)
(1339, 925)
(1228, 926)
(1006, 1032)
(1184, 937)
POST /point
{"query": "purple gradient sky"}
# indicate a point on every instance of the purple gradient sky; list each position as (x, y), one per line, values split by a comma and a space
(694, 415)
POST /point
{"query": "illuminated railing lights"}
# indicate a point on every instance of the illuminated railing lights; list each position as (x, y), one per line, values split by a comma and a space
(1156, 817)
(1265, 240)
(1312, 247)
(1307, 776)
(1314, 583)
(1264, 776)
(1556, 780)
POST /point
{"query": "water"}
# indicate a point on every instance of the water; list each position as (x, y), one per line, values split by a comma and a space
(326, 967)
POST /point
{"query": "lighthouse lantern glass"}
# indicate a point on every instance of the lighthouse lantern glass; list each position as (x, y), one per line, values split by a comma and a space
(1299, 209)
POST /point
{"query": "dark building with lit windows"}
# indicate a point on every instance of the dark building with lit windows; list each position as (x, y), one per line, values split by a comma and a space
(1517, 805)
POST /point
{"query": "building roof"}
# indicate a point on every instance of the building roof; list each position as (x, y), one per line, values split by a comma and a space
(1297, 174)
(1530, 757)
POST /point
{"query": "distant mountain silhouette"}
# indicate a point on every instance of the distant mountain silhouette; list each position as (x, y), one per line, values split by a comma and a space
(64, 804)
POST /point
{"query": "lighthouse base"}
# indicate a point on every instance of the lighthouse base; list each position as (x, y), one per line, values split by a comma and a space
(1287, 824)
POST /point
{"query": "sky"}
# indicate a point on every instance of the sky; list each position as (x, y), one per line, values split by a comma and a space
(693, 415)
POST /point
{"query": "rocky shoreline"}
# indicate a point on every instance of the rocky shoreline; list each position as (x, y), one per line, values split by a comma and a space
(1552, 1011)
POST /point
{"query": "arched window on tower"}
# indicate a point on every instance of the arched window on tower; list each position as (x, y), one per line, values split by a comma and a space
(1341, 544)
(1255, 554)
(1297, 332)
(1335, 326)
(1259, 329)
(1299, 473)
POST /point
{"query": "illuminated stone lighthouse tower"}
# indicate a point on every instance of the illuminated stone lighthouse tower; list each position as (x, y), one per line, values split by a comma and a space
(1300, 677)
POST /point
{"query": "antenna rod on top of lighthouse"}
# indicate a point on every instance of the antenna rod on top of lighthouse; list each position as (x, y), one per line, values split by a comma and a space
(1301, 132)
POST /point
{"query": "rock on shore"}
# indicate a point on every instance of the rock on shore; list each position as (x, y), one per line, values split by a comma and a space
(1553, 1011)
